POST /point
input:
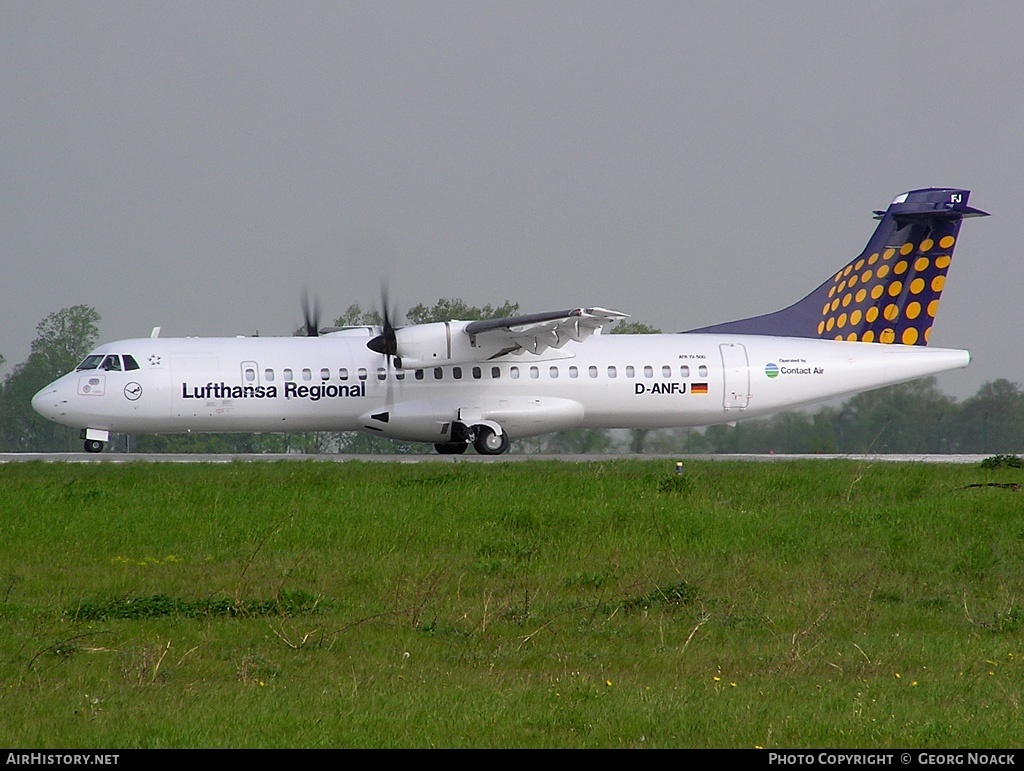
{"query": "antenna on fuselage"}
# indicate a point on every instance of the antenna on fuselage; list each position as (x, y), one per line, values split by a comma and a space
(155, 333)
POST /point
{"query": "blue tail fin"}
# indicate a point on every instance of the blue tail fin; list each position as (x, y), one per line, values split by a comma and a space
(888, 294)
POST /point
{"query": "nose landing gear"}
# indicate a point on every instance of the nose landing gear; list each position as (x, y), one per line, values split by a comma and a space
(95, 439)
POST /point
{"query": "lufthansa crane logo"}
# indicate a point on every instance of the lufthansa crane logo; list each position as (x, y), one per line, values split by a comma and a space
(132, 391)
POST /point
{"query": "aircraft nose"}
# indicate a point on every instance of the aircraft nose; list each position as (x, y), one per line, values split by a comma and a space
(48, 402)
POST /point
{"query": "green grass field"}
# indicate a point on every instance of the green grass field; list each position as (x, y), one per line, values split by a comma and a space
(530, 604)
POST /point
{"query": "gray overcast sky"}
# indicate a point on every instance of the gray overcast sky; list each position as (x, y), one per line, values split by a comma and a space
(196, 165)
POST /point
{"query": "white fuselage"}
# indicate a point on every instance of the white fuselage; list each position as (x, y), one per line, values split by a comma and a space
(335, 383)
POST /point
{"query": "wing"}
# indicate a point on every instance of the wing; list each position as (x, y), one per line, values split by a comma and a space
(537, 332)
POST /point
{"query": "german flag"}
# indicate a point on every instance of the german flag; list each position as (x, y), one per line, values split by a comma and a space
(698, 388)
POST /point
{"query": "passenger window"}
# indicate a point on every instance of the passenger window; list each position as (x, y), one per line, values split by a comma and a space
(702, 370)
(382, 373)
(361, 373)
(534, 373)
(307, 374)
(611, 371)
(495, 372)
(129, 362)
(630, 372)
(684, 370)
(666, 371)
(268, 375)
(553, 372)
(648, 371)
(250, 375)
(399, 374)
(574, 371)
(343, 373)
(592, 371)
(325, 374)
(419, 374)
(457, 373)
(288, 374)
(477, 374)
(513, 372)
(438, 373)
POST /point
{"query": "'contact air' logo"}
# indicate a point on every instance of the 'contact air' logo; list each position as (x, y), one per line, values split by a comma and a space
(771, 370)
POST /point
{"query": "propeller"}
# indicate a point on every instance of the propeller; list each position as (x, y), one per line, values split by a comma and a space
(311, 316)
(386, 343)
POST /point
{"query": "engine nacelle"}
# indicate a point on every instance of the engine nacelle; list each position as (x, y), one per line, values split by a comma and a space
(438, 344)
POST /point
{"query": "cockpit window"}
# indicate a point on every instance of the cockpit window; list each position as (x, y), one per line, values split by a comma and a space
(112, 363)
(92, 361)
(129, 362)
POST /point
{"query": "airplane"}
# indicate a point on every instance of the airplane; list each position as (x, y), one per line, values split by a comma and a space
(485, 383)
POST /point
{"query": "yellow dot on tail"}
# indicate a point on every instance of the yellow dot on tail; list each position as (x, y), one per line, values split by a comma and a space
(913, 310)
(906, 249)
(917, 286)
(946, 241)
(943, 261)
(895, 288)
(921, 263)
(909, 336)
(927, 244)
(887, 336)
(938, 283)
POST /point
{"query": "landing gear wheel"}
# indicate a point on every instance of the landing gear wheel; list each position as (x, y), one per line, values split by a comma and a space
(93, 445)
(450, 448)
(489, 443)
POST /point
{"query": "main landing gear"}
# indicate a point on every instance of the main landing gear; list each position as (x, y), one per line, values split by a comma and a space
(93, 445)
(485, 440)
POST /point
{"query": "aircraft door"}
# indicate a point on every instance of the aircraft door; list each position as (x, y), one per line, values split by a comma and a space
(736, 370)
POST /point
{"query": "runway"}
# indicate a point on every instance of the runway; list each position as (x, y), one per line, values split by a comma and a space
(116, 457)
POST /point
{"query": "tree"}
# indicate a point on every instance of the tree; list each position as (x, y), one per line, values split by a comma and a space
(62, 341)
(355, 316)
(447, 310)
(65, 337)
(909, 417)
(993, 419)
(634, 328)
